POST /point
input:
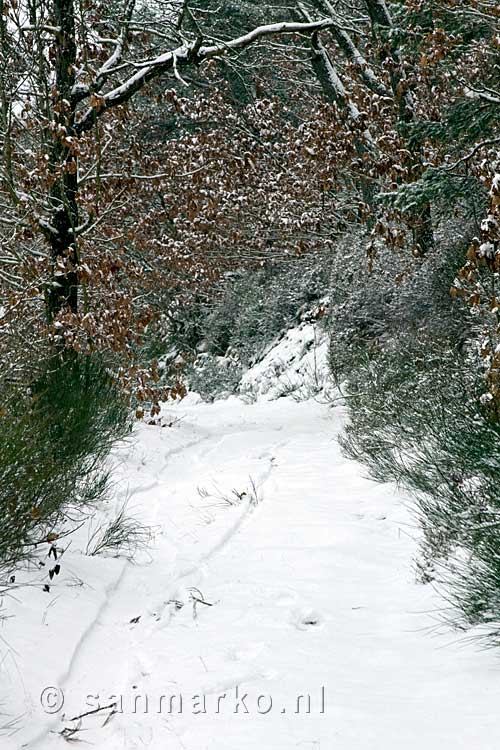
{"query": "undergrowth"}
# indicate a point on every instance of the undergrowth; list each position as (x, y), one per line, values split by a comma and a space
(403, 364)
(56, 435)
(221, 334)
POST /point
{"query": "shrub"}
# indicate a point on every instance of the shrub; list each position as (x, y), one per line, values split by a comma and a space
(414, 397)
(55, 438)
(256, 306)
(214, 377)
(123, 536)
(223, 333)
(402, 297)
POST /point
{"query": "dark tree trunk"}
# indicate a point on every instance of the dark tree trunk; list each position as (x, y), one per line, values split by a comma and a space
(63, 291)
(424, 230)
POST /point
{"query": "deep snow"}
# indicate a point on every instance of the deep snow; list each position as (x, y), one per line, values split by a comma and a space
(308, 568)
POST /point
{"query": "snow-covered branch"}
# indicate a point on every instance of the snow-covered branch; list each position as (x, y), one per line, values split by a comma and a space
(354, 56)
(116, 56)
(190, 54)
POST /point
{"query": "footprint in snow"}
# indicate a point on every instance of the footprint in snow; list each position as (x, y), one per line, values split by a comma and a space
(306, 619)
(247, 653)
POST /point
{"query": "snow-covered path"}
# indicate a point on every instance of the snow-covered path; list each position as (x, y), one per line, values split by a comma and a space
(312, 591)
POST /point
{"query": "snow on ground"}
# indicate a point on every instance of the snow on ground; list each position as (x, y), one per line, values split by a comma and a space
(276, 571)
(294, 366)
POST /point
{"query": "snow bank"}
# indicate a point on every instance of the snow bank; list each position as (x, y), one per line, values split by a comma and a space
(295, 366)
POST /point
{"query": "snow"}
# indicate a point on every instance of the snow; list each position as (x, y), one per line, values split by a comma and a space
(487, 250)
(306, 571)
(294, 365)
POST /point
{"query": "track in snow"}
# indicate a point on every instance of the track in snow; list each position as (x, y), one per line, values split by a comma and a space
(313, 594)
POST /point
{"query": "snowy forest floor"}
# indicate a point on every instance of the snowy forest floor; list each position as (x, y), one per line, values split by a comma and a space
(309, 571)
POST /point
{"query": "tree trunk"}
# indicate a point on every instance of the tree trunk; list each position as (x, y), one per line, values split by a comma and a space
(63, 290)
(424, 230)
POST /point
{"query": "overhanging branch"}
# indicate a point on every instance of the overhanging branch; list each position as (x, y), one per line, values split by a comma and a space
(184, 56)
